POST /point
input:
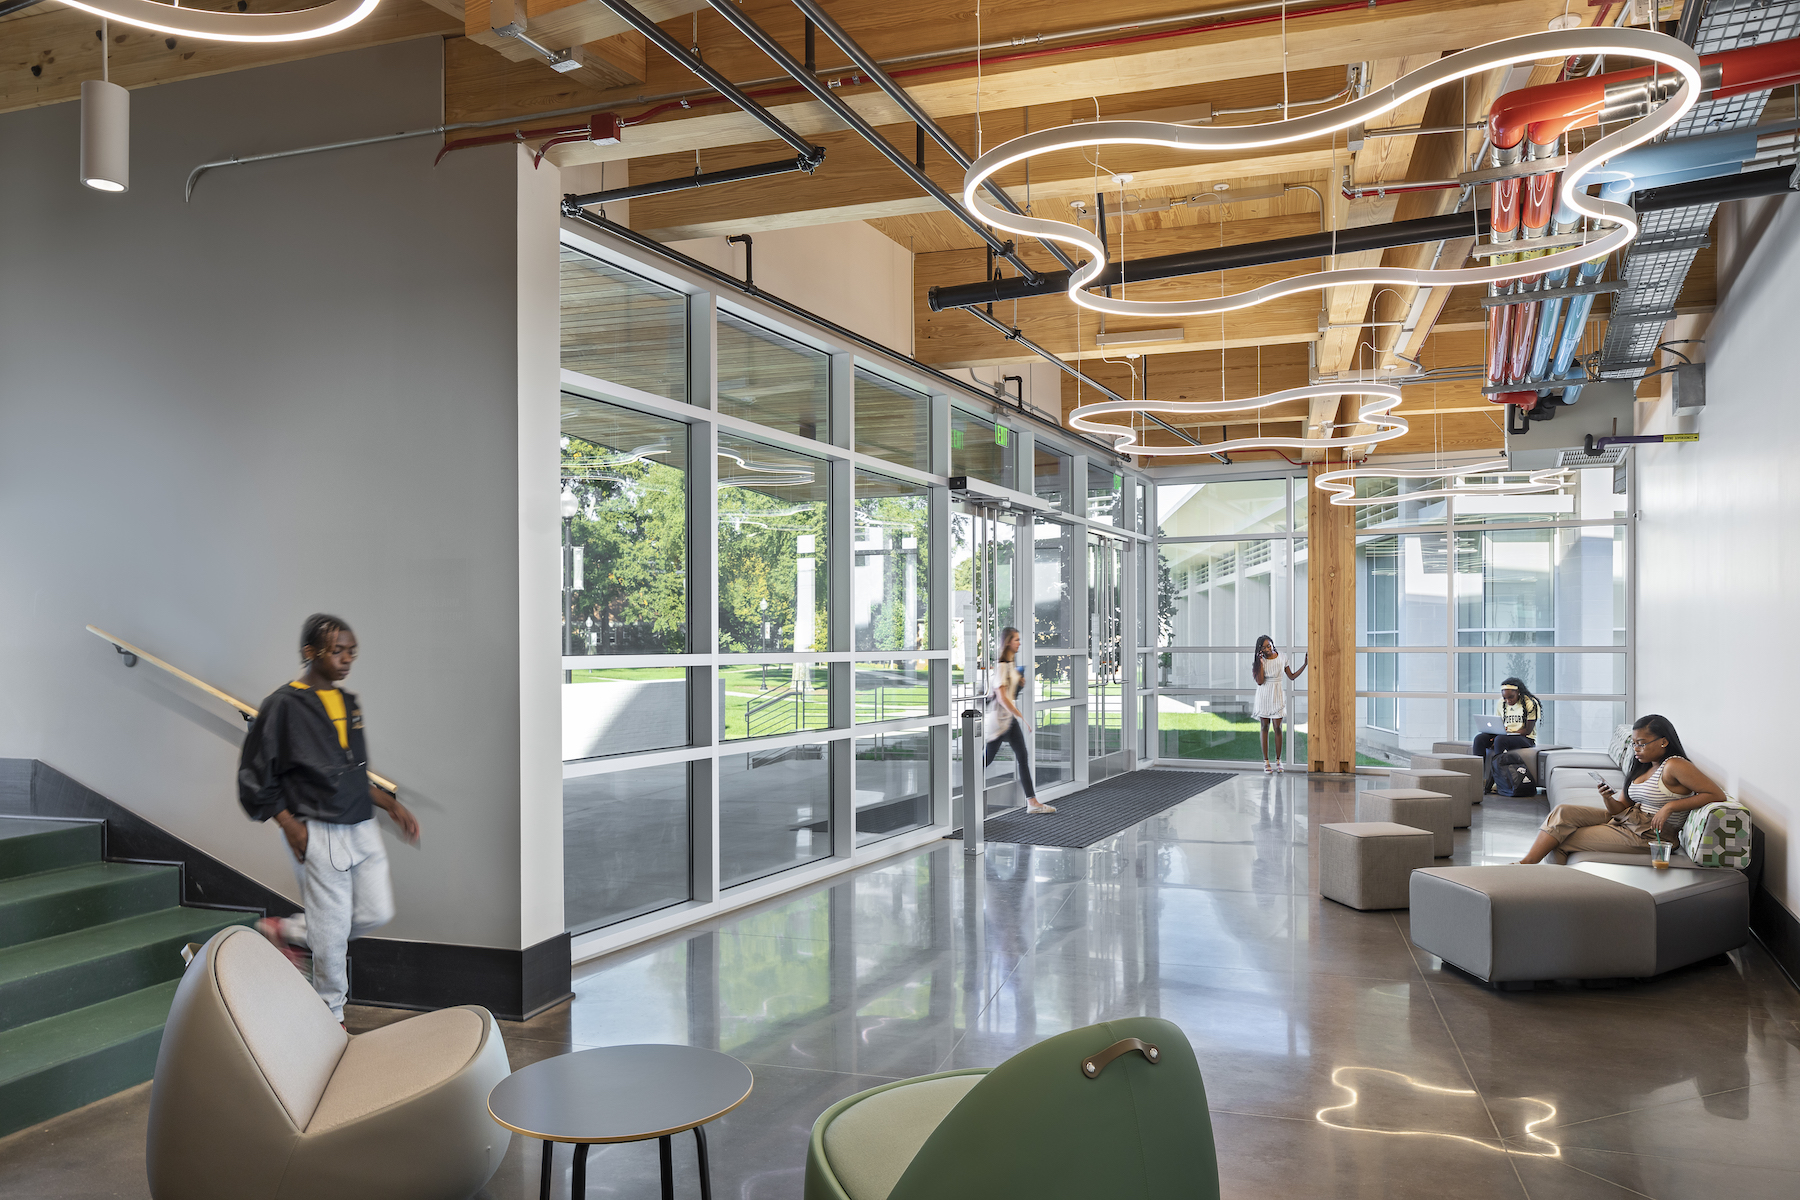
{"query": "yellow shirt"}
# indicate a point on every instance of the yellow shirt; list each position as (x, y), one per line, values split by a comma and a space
(333, 700)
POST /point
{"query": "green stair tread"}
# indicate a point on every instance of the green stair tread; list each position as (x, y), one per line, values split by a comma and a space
(74, 879)
(29, 846)
(13, 827)
(42, 1045)
(98, 942)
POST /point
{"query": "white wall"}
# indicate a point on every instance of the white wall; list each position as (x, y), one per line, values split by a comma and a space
(849, 273)
(1719, 549)
(300, 392)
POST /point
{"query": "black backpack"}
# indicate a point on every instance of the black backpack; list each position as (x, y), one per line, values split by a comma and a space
(1511, 776)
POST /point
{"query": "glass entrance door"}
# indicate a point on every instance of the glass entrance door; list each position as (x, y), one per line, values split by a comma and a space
(984, 582)
(1109, 739)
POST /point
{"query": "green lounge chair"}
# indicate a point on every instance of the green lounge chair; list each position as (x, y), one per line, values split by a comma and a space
(1115, 1110)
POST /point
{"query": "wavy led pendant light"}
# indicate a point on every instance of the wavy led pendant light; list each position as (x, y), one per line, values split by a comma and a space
(1627, 43)
(1342, 484)
(231, 26)
(1383, 399)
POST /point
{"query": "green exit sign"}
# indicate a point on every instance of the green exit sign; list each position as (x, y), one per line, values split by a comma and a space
(956, 439)
(1001, 433)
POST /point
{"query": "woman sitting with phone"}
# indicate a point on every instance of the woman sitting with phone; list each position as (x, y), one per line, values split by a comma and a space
(1660, 784)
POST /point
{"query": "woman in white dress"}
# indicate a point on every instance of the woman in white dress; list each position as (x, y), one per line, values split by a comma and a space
(1269, 668)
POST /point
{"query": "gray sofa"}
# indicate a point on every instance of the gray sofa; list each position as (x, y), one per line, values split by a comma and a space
(1532, 756)
(1567, 776)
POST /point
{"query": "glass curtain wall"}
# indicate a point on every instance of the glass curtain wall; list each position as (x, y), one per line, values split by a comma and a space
(1230, 568)
(1455, 597)
(1452, 598)
(769, 596)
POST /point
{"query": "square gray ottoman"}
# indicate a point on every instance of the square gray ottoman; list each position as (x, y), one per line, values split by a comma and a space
(1465, 790)
(1366, 864)
(1515, 925)
(1411, 806)
(1468, 764)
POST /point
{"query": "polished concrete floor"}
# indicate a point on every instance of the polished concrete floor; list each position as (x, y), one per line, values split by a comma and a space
(1339, 1059)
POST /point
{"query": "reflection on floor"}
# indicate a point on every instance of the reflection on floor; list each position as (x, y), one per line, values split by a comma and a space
(1339, 1060)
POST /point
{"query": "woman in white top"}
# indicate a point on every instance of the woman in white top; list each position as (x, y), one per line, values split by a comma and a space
(1660, 784)
(1005, 723)
(1269, 668)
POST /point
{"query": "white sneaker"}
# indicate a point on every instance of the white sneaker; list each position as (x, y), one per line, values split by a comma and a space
(1268, 769)
(1280, 769)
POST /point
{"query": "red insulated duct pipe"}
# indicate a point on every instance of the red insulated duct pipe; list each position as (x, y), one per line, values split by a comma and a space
(1540, 203)
(1505, 216)
(572, 133)
(1524, 334)
(1552, 109)
(1499, 331)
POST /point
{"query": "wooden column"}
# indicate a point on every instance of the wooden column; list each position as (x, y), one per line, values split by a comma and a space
(1330, 630)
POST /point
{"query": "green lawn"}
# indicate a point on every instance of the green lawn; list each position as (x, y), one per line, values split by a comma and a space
(1213, 735)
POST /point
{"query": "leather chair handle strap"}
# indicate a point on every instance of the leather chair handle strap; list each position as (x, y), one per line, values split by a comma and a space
(1093, 1064)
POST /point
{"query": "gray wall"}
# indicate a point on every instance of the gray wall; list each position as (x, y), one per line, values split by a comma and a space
(297, 393)
(1719, 540)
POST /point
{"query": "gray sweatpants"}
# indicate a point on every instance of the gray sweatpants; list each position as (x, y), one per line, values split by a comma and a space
(345, 890)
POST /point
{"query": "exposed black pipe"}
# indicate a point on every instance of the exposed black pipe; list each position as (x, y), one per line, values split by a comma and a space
(1224, 258)
(1719, 190)
(1771, 182)
(749, 263)
(830, 99)
(682, 183)
(865, 62)
(9, 7)
(950, 382)
(668, 45)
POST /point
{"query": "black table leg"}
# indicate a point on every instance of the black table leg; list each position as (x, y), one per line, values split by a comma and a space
(665, 1150)
(705, 1167)
(544, 1181)
(578, 1188)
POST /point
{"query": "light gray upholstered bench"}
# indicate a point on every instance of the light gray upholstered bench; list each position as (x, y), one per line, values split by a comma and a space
(1413, 807)
(1365, 864)
(1462, 761)
(1465, 790)
(1515, 925)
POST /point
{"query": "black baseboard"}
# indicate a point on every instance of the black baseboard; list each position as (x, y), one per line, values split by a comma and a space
(514, 985)
(1778, 931)
(29, 788)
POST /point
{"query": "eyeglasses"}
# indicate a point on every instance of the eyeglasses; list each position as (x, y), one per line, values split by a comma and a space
(1640, 743)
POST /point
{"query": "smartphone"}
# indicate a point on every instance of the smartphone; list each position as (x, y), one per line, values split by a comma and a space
(1600, 780)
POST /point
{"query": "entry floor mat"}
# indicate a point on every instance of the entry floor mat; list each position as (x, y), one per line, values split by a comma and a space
(1107, 808)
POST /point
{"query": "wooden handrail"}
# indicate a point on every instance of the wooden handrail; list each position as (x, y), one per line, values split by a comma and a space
(249, 711)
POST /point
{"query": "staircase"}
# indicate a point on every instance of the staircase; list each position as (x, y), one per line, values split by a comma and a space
(90, 953)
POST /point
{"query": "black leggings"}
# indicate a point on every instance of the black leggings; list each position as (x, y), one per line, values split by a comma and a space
(1014, 737)
(1488, 745)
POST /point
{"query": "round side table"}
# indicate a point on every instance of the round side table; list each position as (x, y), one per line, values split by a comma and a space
(621, 1094)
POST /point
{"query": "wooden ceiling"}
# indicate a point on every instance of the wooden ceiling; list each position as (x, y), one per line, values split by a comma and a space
(1173, 202)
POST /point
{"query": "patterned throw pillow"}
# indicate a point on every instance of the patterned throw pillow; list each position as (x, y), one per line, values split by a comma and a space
(1718, 835)
(1619, 748)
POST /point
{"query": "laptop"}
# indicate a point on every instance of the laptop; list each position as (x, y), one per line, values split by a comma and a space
(1488, 723)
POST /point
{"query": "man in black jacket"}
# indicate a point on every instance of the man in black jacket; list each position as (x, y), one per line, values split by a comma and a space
(304, 763)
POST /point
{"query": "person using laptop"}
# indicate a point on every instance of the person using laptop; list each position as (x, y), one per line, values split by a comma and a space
(1514, 727)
